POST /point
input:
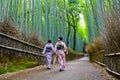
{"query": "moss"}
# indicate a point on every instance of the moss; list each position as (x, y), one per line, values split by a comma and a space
(17, 65)
(3, 70)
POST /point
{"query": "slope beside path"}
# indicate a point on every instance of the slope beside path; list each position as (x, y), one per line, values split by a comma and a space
(79, 69)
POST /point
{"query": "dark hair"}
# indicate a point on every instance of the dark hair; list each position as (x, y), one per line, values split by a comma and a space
(49, 41)
(60, 38)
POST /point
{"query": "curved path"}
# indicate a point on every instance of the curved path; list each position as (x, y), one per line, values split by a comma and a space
(79, 69)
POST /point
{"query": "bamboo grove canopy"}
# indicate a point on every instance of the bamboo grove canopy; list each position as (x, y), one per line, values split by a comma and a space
(78, 21)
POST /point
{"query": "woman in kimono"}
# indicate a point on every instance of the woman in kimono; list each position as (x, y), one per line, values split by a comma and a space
(48, 52)
(60, 50)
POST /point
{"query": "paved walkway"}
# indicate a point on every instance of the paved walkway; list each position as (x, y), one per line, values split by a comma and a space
(79, 69)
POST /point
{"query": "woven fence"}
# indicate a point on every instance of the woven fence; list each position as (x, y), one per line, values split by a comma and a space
(110, 61)
(14, 47)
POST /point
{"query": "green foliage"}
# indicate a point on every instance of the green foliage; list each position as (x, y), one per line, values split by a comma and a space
(82, 31)
(45, 17)
(12, 64)
(16, 66)
(2, 70)
(12, 68)
(73, 1)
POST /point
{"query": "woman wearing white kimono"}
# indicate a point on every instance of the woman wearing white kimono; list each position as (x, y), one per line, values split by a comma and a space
(60, 50)
(48, 52)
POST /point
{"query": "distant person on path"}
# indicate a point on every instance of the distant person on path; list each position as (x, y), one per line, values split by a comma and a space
(60, 50)
(84, 49)
(48, 52)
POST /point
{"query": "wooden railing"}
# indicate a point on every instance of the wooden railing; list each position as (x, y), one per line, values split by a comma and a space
(13, 46)
(111, 62)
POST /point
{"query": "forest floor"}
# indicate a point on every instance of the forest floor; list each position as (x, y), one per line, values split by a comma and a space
(80, 69)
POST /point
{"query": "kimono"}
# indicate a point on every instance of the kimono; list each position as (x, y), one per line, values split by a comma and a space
(60, 49)
(48, 51)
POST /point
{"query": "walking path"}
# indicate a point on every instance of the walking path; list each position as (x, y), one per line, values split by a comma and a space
(79, 69)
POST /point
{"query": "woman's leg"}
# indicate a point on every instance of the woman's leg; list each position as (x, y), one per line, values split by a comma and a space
(49, 57)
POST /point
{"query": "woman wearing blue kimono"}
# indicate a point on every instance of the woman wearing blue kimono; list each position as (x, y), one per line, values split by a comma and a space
(48, 52)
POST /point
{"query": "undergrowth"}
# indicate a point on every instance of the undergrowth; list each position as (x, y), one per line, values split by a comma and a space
(17, 64)
(73, 55)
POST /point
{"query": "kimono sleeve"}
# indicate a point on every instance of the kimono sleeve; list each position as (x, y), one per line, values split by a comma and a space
(43, 52)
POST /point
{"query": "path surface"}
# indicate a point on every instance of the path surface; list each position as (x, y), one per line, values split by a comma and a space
(79, 69)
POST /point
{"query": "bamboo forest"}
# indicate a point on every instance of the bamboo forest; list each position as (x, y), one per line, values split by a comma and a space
(48, 18)
(90, 27)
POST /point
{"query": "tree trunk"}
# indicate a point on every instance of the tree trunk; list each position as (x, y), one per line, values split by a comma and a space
(74, 40)
(68, 33)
